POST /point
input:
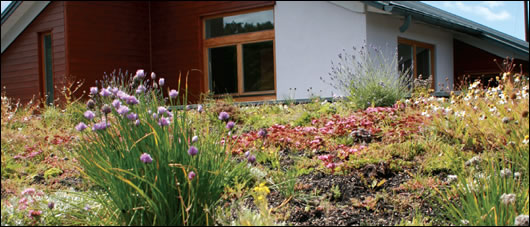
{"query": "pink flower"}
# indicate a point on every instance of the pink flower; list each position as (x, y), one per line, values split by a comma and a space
(28, 191)
(191, 175)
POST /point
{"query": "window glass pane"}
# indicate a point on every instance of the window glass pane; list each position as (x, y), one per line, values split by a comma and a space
(423, 62)
(258, 67)
(243, 23)
(48, 72)
(222, 65)
(405, 58)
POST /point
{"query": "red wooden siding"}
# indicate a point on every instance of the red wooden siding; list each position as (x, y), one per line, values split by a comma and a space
(469, 60)
(21, 75)
(177, 38)
(106, 36)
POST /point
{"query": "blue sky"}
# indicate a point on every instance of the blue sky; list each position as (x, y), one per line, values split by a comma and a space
(504, 16)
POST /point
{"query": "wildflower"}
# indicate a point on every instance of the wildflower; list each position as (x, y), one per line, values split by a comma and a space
(104, 92)
(262, 133)
(132, 116)
(140, 89)
(507, 199)
(116, 103)
(140, 73)
(163, 121)
(81, 126)
(137, 122)
(223, 116)
(517, 175)
(193, 151)
(161, 110)
(146, 158)
(199, 108)
(122, 95)
(87, 207)
(173, 93)
(153, 75)
(28, 191)
(194, 139)
(155, 116)
(114, 90)
(230, 125)
(262, 189)
(521, 220)
(51, 205)
(482, 117)
(251, 158)
(451, 178)
(132, 100)
(100, 126)
(247, 154)
(90, 104)
(161, 82)
(464, 222)
(89, 115)
(525, 141)
(460, 113)
(191, 175)
(506, 172)
(93, 90)
(34, 213)
(123, 110)
(106, 109)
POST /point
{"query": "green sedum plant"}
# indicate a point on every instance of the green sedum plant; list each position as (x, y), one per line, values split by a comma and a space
(154, 165)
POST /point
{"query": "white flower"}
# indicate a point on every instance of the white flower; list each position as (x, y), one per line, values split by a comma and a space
(451, 178)
(460, 113)
(506, 172)
(493, 109)
(473, 161)
(482, 117)
(425, 114)
(464, 222)
(507, 199)
(517, 175)
(521, 220)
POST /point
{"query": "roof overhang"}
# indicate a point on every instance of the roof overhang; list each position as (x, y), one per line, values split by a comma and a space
(519, 47)
(18, 18)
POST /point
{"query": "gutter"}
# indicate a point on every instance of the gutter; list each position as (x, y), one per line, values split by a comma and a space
(10, 9)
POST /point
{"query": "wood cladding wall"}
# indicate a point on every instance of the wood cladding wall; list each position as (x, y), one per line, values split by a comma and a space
(177, 38)
(21, 75)
(469, 60)
(104, 36)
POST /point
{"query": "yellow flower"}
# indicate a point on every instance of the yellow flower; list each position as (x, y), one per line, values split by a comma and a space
(262, 189)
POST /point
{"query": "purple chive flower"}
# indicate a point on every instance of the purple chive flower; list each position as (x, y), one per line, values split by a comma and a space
(93, 90)
(81, 126)
(140, 89)
(132, 100)
(51, 205)
(193, 151)
(100, 126)
(123, 110)
(163, 121)
(262, 133)
(155, 116)
(132, 116)
(106, 109)
(140, 73)
(153, 75)
(116, 103)
(223, 116)
(194, 139)
(90, 104)
(104, 92)
(122, 95)
(191, 175)
(251, 158)
(146, 158)
(161, 110)
(137, 122)
(89, 115)
(230, 125)
(161, 82)
(247, 154)
(114, 90)
(173, 93)
(199, 108)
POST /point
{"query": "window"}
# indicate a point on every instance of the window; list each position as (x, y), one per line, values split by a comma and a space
(239, 53)
(46, 66)
(419, 56)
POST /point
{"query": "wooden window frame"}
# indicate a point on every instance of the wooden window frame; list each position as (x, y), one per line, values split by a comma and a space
(239, 40)
(414, 44)
(42, 64)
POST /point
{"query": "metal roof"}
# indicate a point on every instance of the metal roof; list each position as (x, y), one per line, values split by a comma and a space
(10, 9)
(428, 14)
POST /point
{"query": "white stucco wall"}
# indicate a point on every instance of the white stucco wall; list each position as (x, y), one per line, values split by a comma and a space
(308, 36)
(383, 31)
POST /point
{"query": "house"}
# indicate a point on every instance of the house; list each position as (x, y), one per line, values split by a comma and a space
(254, 50)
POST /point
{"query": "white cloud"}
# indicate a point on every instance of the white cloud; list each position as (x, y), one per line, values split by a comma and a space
(485, 9)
